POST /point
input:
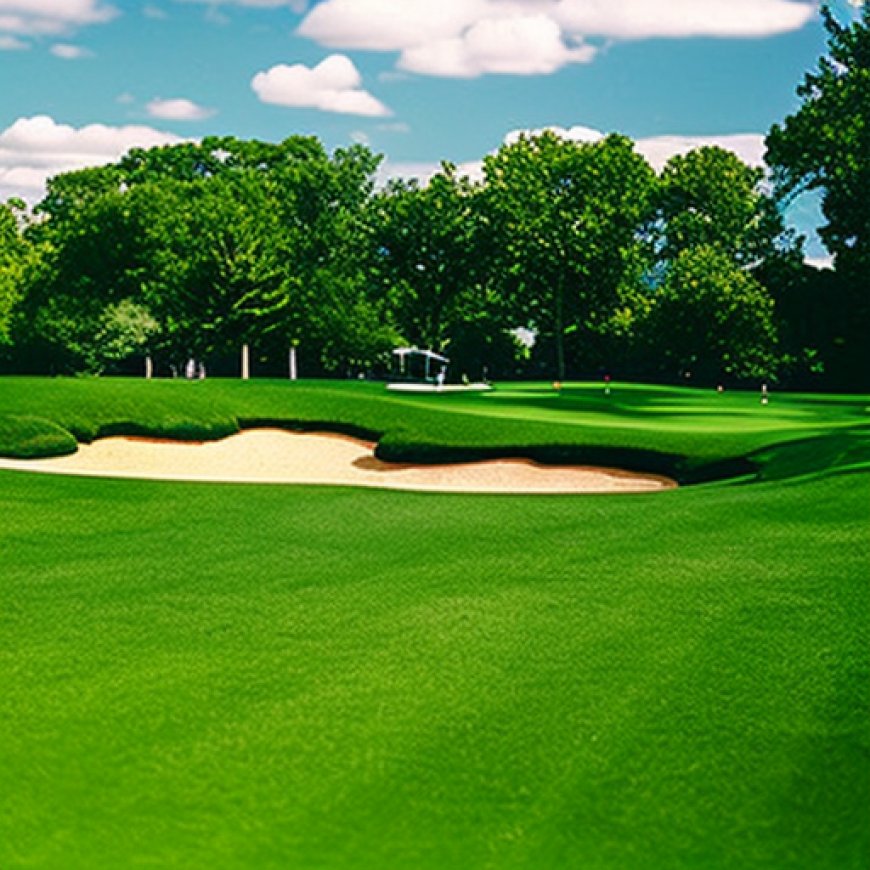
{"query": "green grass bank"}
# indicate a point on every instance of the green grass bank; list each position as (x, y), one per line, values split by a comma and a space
(689, 434)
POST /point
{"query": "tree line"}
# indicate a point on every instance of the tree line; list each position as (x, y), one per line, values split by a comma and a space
(191, 250)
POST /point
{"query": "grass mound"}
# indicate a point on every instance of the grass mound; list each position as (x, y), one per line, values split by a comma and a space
(27, 437)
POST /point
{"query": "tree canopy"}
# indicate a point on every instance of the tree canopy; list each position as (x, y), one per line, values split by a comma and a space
(564, 215)
(825, 146)
(191, 250)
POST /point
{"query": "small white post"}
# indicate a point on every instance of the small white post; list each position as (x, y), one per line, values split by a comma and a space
(149, 368)
(292, 362)
(246, 363)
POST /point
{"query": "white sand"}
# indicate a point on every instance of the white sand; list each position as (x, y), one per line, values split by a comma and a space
(277, 456)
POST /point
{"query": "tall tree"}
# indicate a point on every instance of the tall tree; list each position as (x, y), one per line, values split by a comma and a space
(711, 197)
(222, 242)
(89, 244)
(564, 216)
(425, 252)
(711, 319)
(13, 256)
(713, 212)
(825, 146)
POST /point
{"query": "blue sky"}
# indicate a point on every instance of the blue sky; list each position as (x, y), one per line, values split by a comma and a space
(418, 80)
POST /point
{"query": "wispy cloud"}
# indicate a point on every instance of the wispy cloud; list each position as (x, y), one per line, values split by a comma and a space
(749, 147)
(67, 51)
(12, 43)
(298, 6)
(530, 45)
(178, 109)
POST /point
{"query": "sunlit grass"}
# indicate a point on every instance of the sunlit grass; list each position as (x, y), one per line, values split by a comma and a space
(210, 675)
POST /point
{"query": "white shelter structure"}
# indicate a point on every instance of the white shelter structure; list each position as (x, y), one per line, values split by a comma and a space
(418, 365)
(424, 371)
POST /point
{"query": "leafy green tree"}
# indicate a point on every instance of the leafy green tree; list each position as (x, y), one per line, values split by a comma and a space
(211, 267)
(337, 316)
(564, 215)
(711, 197)
(89, 258)
(825, 146)
(223, 242)
(14, 252)
(124, 329)
(709, 202)
(711, 319)
(426, 253)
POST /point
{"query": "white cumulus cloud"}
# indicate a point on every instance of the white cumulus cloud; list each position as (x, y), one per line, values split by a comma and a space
(37, 17)
(749, 147)
(334, 85)
(178, 109)
(531, 45)
(527, 37)
(642, 19)
(34, 149)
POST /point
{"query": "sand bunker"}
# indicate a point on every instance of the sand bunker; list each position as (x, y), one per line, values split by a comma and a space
(277, 456)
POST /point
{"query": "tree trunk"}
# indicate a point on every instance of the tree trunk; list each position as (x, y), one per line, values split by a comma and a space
(246, 363)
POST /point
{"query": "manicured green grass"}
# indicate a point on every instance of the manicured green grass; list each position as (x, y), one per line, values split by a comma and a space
(670, 430)
(210, 675)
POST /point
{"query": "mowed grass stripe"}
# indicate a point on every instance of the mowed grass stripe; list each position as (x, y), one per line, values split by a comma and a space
(210, 675)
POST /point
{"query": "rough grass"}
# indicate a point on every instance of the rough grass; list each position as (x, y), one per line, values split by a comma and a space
(209, 675)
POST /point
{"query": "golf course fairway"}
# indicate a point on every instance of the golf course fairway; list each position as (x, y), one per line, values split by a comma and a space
(246, 675)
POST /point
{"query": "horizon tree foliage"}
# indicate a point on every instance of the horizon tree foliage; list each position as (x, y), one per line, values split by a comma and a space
(710, 197)
(221, 243)
(432, 261)
(564, 216)
(713, 225)
(191, 250)
(712, 319)
(89, 258)
(426, 252)
(825, 146)
(14, 255)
